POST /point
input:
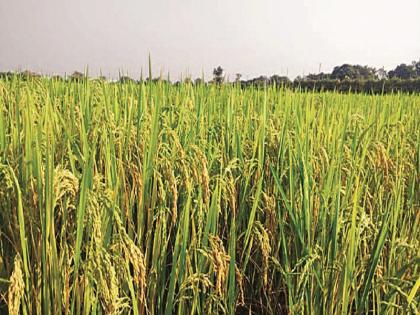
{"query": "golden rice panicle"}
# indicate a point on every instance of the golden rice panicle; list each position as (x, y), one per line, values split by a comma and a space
(16, 287)
(265, 247)
(220, 262)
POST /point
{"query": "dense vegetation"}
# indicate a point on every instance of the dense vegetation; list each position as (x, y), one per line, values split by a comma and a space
(384, 86)
(153, 198)
(345, 78)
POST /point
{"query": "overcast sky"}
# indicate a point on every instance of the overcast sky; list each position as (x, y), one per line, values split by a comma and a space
(193, 36)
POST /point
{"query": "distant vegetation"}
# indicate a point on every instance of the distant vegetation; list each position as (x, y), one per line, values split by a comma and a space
(356, 78)
(344, 78)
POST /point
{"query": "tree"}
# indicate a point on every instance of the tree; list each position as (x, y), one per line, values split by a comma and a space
(198, 81)
(403, 71)
(76, 76)
(218, 75)
(262, 80)
(342, 72)
(279, 80)
(126, 79)
(416, 65)
(299, 78)
(29, 74)
(318, 77)
(353, 72)
(238, 77)
(381, 73)
(57, 77)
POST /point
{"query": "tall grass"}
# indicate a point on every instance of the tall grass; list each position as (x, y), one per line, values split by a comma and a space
(158, 199)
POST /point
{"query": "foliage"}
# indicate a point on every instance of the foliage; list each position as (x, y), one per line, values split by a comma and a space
(353, 72)
(360, 86)
(151, 198)
(403, 71)
(77, 76)
(317, 77)
(125, 79)
(218, 75)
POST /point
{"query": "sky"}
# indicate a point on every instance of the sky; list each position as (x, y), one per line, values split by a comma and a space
(191, 37)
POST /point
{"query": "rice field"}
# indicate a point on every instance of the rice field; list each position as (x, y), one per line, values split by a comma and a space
(151, 198)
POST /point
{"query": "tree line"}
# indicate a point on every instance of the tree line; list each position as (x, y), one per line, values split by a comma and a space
(344, 78)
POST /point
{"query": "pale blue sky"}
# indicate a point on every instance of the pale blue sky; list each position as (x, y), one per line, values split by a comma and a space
(250, 37)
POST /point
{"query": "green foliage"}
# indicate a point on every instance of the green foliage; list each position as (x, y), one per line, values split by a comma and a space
(153, 198)
(360, 86)
(218, 75)
(77, 76)
(353, 72)
(404, 71)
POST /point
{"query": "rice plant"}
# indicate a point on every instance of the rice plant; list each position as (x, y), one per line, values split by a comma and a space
(152, 198)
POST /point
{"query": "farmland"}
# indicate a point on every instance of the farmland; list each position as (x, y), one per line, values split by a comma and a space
(152, 198)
